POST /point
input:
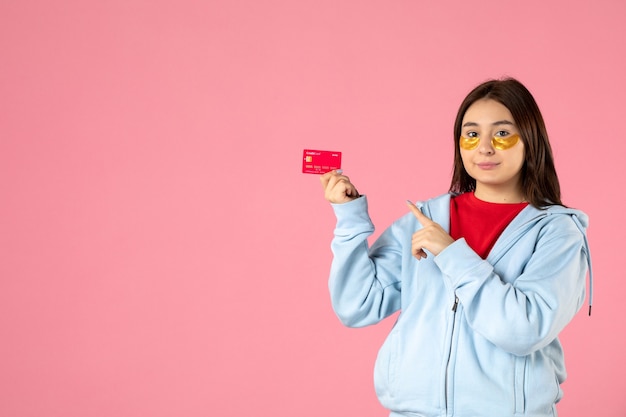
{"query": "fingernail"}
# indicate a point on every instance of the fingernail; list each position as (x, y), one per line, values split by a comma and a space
(409, 201)
(339, 171)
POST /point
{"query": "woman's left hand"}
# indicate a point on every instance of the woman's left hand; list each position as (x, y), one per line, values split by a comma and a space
(431, 236)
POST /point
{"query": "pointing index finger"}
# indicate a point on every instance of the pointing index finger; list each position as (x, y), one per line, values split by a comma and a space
(421, 217)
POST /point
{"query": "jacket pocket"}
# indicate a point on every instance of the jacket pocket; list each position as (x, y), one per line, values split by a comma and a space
(385, 368)
(520, 383)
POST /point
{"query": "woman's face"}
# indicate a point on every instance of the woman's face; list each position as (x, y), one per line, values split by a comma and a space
(492, 151)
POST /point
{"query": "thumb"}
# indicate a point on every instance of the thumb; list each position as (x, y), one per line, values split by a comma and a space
(326, 177)
(421, 217)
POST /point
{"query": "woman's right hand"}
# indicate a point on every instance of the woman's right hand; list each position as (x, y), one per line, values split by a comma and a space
(337, 187)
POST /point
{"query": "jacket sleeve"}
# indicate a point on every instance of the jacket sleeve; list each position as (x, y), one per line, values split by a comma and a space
(364, 284)
(528, 313)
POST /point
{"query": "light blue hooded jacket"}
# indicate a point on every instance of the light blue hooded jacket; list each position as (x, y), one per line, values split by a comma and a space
(474, 337)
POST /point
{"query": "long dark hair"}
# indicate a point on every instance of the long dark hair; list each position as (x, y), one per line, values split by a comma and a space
(540, 184)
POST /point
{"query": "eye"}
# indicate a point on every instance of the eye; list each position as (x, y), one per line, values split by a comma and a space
(502, 134)
(471, 134)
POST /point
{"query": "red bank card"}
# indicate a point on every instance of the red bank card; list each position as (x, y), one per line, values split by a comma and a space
(320, 162)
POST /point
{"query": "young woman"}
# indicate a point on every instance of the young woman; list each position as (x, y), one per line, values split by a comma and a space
(485, 276)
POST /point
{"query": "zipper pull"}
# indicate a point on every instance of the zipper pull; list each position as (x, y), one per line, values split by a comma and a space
(456, 303)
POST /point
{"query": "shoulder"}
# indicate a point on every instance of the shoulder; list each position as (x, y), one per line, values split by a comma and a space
(561, 220)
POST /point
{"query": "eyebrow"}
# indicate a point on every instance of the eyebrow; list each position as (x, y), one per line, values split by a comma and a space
(498, 123)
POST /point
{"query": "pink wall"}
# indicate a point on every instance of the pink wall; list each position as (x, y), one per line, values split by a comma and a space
(162, 255)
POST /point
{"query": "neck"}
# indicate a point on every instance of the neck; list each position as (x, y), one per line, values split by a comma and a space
(494, 195)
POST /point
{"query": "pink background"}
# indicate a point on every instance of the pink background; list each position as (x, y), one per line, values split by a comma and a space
(162, 255)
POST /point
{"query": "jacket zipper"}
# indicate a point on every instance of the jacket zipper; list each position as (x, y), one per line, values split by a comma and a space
(454, 307)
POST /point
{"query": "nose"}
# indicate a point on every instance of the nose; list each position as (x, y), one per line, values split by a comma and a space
(485, 147)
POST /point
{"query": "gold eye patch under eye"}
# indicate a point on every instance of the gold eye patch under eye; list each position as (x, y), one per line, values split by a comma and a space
(497, 142)
(504, 143)
(469, 143)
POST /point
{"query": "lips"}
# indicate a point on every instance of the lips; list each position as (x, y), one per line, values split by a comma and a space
(487, 165)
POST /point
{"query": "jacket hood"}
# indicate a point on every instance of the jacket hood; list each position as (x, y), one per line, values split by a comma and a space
(582, 222)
